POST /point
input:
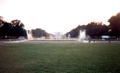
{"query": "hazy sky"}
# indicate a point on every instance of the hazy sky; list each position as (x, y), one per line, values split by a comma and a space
(58, 15)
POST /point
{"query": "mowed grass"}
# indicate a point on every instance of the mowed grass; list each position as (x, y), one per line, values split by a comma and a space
(60, 58)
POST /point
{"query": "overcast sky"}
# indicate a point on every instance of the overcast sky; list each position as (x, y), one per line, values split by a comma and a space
(58, 15)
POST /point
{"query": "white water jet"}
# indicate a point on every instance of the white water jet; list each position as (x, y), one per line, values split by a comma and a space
(69, 36)
(29, 35)
(82, 35)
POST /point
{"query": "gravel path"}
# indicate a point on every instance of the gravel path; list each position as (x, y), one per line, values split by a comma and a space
(57, 42)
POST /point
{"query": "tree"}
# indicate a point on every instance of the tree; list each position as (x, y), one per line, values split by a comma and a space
(18, 28)
(75, 32)
(1, 21)
(115, 25)
(93, 29)
(5, 27)
(37, 33)
(15, 28)
(96, 29)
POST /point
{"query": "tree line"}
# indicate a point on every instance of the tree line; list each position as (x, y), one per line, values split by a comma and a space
(97, 29)
(13, 29)
(36, 33)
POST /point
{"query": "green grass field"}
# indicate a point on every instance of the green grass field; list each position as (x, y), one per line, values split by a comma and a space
(60, 58)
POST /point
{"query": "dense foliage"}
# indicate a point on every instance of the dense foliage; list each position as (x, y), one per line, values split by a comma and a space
(13, 29)
(39, 33)
(97, 29)
(115, 25)
(93, 29)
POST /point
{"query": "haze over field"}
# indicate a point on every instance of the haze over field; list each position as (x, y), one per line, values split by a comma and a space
(58, 15)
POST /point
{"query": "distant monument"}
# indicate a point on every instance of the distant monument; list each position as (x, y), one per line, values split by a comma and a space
(58, 35)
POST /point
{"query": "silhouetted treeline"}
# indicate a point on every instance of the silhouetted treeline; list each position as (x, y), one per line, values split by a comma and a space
(75, 32)
(93, 29)
(114, 25)
(97, 29)
(37, 33)
(13, 29)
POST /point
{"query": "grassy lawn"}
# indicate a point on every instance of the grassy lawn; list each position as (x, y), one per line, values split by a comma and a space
(60, 58)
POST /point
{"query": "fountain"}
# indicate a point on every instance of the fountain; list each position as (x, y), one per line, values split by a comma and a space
(69, 36)
(82, 35)
(29, 35)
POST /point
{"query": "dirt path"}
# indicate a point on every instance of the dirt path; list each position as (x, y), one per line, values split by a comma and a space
(57, 42)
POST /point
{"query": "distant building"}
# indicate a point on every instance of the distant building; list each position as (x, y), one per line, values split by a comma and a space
(58, 35)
